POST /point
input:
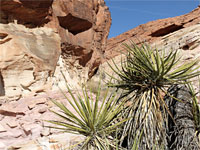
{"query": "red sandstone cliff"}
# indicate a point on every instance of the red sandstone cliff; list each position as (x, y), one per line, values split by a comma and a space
(40, 37)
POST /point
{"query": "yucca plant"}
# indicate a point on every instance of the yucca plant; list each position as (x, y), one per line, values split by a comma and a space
(96, 118)
(145, 74)
(136, 141)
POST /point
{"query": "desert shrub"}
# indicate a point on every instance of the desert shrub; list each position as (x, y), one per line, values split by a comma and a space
(144, 76)
(96, 120)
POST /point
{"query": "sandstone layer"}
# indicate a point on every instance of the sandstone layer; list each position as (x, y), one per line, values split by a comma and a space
(23, 125)
(38, 39)
(28, 57)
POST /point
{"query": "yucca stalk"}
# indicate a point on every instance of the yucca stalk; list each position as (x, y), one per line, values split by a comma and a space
(96, 117)
(182, 135)
(195, 110)
(144, 75)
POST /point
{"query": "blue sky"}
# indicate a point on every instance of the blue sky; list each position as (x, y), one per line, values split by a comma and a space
(127, 14)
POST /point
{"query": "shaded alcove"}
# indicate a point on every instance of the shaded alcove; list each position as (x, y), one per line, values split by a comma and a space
(167, 30)
(2, 89)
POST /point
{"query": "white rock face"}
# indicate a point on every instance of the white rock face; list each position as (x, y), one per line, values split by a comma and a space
(32, 36)
(186, 40)
(27, 58)
(74, 77)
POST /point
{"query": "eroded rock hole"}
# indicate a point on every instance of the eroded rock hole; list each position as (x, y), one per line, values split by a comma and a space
(185, 47)
(2, 88)
(74, 24)
(190, 46)
(96, 70)
(166, 30)
(3, 35)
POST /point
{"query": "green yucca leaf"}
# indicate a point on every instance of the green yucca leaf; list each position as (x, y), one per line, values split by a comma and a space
(95, 120)
(97, 102)
(182, 70)
(137, 141)
(64, 117)
(170, 61)
(69, 126)
(86, 142)
(67, 112)
(79, 110)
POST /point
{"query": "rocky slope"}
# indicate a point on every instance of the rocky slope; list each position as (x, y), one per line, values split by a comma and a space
(40, 38)
(186, 41)
(152, 31)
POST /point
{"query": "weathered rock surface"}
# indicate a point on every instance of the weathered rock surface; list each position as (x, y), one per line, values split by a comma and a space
(29, 13)
(27, 58)
(34, 35)
(152, 31)
(22, 122)
(83, 39)
(53, 142)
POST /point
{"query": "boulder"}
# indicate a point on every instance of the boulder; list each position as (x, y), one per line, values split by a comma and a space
(29, 13)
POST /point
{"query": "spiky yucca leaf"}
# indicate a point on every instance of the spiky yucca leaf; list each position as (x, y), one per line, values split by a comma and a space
(95, 118)
(144, 74)
(145, 67)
